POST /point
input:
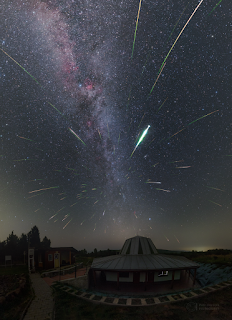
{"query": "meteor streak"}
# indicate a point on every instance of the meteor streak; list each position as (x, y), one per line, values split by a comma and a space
(162, 67)
(67, 224)
(189, 124)
(162, 104)
(163, 190)
(136, 27)
(177, 22)
(215, 203)
(57, 110)
(141, 139)
(215, 188)
(215, 7)
(163, 64)
(76, 135)
(202, 117)
(176, 239)
(26, 139)
(21, 67)
(141, 119)
(185, 167)
(154, 182)
(44, 189)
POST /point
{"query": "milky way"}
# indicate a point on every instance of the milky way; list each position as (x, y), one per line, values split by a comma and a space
(71, 136)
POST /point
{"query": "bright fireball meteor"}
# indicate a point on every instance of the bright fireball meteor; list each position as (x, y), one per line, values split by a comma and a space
(141, 139)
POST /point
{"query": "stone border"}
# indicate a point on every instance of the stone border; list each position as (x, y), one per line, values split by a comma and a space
(137, 302)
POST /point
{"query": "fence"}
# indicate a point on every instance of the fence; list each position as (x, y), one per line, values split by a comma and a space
(57, 272)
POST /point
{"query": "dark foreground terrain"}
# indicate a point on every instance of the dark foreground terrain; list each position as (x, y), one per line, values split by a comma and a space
(215, 306)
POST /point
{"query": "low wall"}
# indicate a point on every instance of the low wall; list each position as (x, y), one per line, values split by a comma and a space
(80, 282)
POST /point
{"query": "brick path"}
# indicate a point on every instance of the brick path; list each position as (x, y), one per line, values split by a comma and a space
(41, 307)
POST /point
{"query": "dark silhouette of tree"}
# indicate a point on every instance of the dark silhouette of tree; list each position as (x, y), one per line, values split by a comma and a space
(46, 243)
(23, 244)
(83, 252)
(12, 242)
(95, 252)
(2, 251)
(12, 245)
(34, 237)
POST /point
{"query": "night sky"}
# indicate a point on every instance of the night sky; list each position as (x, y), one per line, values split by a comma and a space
(75, 101)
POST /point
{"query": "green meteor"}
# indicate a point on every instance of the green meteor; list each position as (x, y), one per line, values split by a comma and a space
(141, 139)
(202, 117)
(215, 7)
(21, 67)
(177, 22)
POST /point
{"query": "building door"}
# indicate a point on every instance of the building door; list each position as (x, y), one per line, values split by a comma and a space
(136, 277)
(150, 276)
(56, 260)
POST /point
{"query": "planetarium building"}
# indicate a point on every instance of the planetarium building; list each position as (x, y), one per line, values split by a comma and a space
(139, 267)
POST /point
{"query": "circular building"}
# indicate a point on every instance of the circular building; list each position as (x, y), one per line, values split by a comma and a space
(140, 268)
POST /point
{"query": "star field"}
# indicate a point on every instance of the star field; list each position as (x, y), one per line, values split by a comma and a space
(74, 105)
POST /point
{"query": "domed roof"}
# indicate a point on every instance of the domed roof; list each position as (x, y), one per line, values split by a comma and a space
(138, 245)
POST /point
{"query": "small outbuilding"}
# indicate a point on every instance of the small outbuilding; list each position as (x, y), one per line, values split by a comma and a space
(56, 257)
(139, 265)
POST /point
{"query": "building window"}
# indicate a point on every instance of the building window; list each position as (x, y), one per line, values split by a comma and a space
(163, 273)
(123, 274)
(50, 257)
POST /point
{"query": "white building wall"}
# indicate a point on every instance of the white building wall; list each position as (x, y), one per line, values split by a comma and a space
(142, 276)
(112, 276)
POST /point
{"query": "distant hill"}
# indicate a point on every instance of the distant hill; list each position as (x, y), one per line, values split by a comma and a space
(162, 251)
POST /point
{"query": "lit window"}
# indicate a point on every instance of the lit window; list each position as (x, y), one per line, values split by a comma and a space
(50, 257)
(163, 273)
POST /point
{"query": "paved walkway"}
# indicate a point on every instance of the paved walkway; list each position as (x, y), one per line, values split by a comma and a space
(42, 305)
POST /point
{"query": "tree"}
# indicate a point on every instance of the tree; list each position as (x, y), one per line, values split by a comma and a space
(95, 252)
(34, 237)
(2, 251)
(12, 242)
(12, 245)
(23, 244)
(46, 243)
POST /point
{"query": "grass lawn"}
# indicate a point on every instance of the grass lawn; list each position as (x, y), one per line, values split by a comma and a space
(13, 270)
(12, 309)
(215, 259)
(216, 305)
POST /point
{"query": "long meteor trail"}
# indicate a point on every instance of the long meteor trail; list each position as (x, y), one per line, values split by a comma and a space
(140, 2)
(31, 77)
(162, 66)
(44, 189)
(141, 139)
(21, 67)
(206, 115)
